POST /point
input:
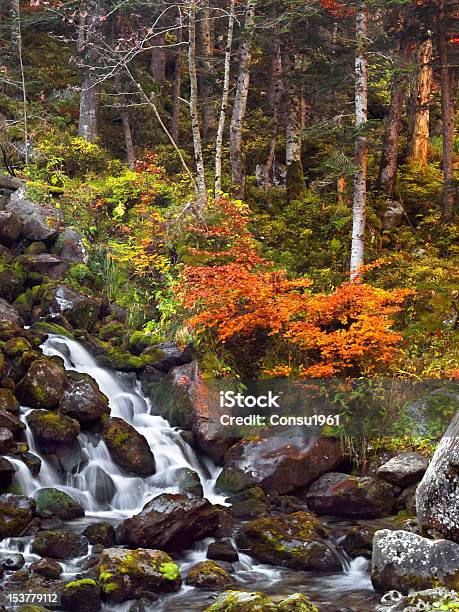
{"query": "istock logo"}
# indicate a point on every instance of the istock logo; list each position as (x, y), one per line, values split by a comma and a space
(230, 399)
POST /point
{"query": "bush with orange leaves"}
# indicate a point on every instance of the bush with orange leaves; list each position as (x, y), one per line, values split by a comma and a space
(238, 296)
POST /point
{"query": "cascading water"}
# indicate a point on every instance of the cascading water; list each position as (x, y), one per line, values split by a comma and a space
(128, 494)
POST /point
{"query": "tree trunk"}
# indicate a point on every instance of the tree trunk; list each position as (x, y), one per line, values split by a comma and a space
(175, 130)
(447, 113)
(195, 125)
(277, 93)
(361, 117)
(240, 103)
(295, 178)
(387, 180)
(418, 146)
(130, 155)
(158, 59)
(205, 72)
(224, 104)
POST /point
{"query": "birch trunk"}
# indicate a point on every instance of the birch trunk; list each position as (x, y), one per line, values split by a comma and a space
(277, 93)
(447, 113)
(201, 194)
(418, 147)
(205, 72)
(175, 129)
(224, 104)
(240, 103)
(361, 145)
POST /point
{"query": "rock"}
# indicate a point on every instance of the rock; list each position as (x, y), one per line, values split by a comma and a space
(128, 448)
(49, 568)
(404, 469)
(70, 246)
(15, 347)
(403, 561)
(43, 385)
(6, 440)
(297, 602)
(11, 422)
(32, 461)
(242, 601)
(10, 182)
(432, 599)
(283, 462)
(56, 436)
(59, 503)
(8, 313)
(99, 484)
(222, 550)
(188, 481)
(208, 575)
(45, 265)
(83, 401)
(100, 533)
(170, 522)
(7, 473)
(40, 221)
(358, 542)
(60, 544)
(82, 595)
(342, 495)
(407, 500)
(12, 281)
(437, 494)
(8, 402)
(12, 562)
(250, 503)
(290, 540)
(80, 310)
(129, 574)
(171, 356)
(10, 227)
(16, 512)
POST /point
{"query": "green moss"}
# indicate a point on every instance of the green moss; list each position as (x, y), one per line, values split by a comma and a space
(296, 186)
(104, 576)
(109, 587)
(52, 328)
(170, 571)
(82, 582)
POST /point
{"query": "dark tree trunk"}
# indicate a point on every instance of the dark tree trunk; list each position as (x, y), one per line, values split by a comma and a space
(158, 59)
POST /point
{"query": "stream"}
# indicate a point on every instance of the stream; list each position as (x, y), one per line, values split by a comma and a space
(349, 590)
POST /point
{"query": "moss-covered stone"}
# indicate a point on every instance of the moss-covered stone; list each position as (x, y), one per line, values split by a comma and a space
(111, 330)
(43, 385)
(242, 601)
(297, 602)
(16, 512)
(128, 448)
(53, 328)
(60, 544)
(7, 400)
(82, 595)
(59, 503)
(208, 575)
(16, 347)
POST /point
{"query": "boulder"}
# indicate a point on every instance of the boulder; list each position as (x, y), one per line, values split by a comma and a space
(83, 401)
(404, 561)
(70, 246)
(82, 595)
(7, 473)
(45, 264)
(49, 568)
(170, 522)
(32, 461)
(12, 281)
(188, 481)
(250, 503)
(43, 385)
(222, 550)
(8, 402)
(438, 492)
(129, 574)
(128, 448)
(358, 542)
(342, 495)
(16, 347)
(6, 440)
(11, 422)
(80, 310)
(297, 602)
(57, 502)
(208, 575)
(99, 484)
(56, 436)
(10, 227)
(100, 533)
(283, 461)
(16, 512)
(60, 544)
(404, 469)
(243, 601)
(12, 562)
(8, 313)
(40, 221)
(291, 540)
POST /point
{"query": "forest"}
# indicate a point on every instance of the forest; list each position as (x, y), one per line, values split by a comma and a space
(204, 197)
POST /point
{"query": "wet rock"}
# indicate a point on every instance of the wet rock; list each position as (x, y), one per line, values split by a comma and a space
(282, 462)
(82, 400)
(8, 402)
(44, 264)
(43, 385)
(359, 541)
(40, 221)
(208, 575)
(242, 601)
(291, 540)
(126, 574)
(100, 533)
(99, 484)
(60, 544)
(250, 503)
(404, 469)
(6, 440)
(171, 522)
(8, 313)
(128, 448)
(437, 494)
(15, 347)
(82, 595)
(297, 602)
(10, 227)
(49, 568)
(337, 494)
(403, 561)
(432, 599)
(16, 512)
(7, 473)
(56, 436)
(57, 502)
(79, 309)
(222, 550)
(12, 562)
(32, 461)
(70, 246)
(188, 481)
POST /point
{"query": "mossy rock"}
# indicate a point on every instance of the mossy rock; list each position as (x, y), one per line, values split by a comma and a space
(81, 595)
(59, 503)
(208, 575)
(12, 280)
(36, 248)
(16, 347)
(297, 602)
(16, 512)
(111, 330)
(7, 400)
(60, 544)
(50, 426)
(128, 448)
(43, 385)
(242, 601)
(53, 328)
